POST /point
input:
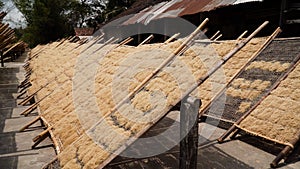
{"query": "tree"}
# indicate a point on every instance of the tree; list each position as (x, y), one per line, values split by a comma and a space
(1, 4)
(47, 20)
(115, 7)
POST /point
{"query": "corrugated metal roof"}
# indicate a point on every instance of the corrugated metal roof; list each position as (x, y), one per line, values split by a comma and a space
(175, 8)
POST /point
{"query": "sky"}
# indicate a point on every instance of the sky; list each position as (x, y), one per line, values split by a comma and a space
(14, 16)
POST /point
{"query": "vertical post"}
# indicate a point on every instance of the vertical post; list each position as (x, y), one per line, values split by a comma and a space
(2, 59)
(189, 113)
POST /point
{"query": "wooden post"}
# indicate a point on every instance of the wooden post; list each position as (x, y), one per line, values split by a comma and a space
(189, 131)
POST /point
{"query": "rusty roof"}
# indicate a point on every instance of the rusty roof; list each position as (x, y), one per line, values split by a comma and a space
(178, 8)
(84, 31)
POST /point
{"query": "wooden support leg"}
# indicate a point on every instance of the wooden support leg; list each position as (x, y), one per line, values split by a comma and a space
(26, 100)
(189, 132)
(23, 83)
(226, 134)
(29, 110)
(25, 87)
(22, 94)
(30, 123)
(234, 134)
(42, 134)
(42, 138)
(280, 156)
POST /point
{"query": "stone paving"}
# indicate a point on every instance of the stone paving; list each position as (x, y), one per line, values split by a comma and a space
(15, 146)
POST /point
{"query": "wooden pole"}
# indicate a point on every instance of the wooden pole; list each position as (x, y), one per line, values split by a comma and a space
(215, 35)
(242, 35)
(285, 152)
(172, 38)
(30, 123)
(126, 41)
(38, 137)
(217, 38)
(189, 132)
(267, 42)
(147, 40)
(282, 77)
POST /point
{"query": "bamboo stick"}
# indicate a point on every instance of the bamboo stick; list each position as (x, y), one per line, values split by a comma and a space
(147, 40)
(172, 38)
(215, 35)
(21, 94)
(26, 100)
(35, 139)
(242, 35)
(282, 77)
(30, 123)
(34, 106)
(126, 41)
(217, 38)
(266, 43)
(93, 42)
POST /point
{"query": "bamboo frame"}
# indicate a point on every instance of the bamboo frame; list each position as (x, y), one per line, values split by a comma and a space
(289, 147)
(281, 78)
(266, 43)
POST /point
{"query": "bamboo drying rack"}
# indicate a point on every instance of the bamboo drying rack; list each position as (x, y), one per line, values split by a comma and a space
(235, 129)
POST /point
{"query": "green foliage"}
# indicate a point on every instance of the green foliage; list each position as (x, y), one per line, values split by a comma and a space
(115, 7)
(49, 20)
(46, 20)
(1, 4)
